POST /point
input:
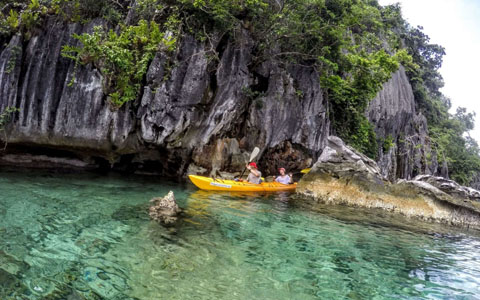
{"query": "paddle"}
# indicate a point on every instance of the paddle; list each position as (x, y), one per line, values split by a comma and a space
(252, 157)
(305, 171)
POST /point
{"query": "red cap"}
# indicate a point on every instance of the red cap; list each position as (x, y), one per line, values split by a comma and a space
(282, 169)
(253, 165)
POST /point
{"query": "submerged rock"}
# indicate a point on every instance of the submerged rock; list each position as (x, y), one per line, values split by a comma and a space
(12, 286)
(343, 176)
(164, 210)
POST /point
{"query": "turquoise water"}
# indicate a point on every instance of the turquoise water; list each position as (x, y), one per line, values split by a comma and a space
(66, 236)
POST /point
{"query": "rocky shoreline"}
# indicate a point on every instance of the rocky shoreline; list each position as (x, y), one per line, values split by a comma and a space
(345, 177)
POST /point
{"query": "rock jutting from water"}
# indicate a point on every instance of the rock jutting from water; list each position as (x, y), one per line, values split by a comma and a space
(343, 176)
(164, 210)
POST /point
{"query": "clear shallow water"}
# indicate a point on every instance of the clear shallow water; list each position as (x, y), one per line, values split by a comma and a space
(65, 236)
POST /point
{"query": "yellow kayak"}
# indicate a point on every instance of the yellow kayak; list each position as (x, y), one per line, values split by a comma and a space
(210, 184)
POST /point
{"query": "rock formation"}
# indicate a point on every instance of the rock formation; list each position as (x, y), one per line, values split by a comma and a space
(402, 133)
(450, 187)
(343, 176)
(202, 115)
(164, 210)
(192, 111)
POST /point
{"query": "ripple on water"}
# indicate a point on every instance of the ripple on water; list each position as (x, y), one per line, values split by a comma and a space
(88, 236)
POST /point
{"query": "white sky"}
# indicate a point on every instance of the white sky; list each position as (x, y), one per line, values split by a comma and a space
(454, 24)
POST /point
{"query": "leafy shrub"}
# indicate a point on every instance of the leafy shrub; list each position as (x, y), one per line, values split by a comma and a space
(5, 118)
(123, 58)
(25, 20)
(388, 144)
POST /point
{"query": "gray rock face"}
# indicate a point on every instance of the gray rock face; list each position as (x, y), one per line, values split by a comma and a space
(192, 109)
(342, 161)
(51, 112)
(164, 210)
(395, 119)
(475, 183)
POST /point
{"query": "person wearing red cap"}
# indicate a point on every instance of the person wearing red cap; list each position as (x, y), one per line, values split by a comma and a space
(283, 178)
(255, 175)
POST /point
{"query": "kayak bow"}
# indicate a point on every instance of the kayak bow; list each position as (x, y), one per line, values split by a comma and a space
(207, 183)
(305, 171)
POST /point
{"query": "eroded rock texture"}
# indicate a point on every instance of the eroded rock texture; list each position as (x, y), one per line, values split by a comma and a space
(192, 111)
(450, 187)
(404, 146)
(164, 210)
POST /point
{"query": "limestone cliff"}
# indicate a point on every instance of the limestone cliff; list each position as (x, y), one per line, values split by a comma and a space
(402, 133)
(192, 111)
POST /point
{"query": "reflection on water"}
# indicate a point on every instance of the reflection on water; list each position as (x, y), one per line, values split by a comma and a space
(89, 237)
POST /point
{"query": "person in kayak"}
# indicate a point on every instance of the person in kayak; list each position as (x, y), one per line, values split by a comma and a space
(283, 178)
(255, 175)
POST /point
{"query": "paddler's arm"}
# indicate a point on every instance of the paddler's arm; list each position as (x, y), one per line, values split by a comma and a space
(254, 171)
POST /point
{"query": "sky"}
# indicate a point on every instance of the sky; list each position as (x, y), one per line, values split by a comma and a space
(455, 25)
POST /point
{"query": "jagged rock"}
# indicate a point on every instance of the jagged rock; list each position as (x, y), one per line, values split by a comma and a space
(396, 121)
(164, 210)
(210, 113)
(343, 176)
(344, 163)
(450, 187)
(52, 113)
(193, 169)
(190, 107)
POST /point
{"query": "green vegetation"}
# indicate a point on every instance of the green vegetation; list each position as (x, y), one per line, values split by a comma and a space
(24, 20)
(340, 39)
(122, 58)
(14, 53)
(25, 15)
(5, 118)
(454, 145)
(388, 143)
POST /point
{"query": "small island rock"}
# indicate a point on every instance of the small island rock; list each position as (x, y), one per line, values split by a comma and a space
(164, 210)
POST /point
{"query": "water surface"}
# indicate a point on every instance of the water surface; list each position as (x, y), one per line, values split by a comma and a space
(88, 236)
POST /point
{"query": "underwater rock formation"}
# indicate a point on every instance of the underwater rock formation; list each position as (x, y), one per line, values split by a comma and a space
(164, 210)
